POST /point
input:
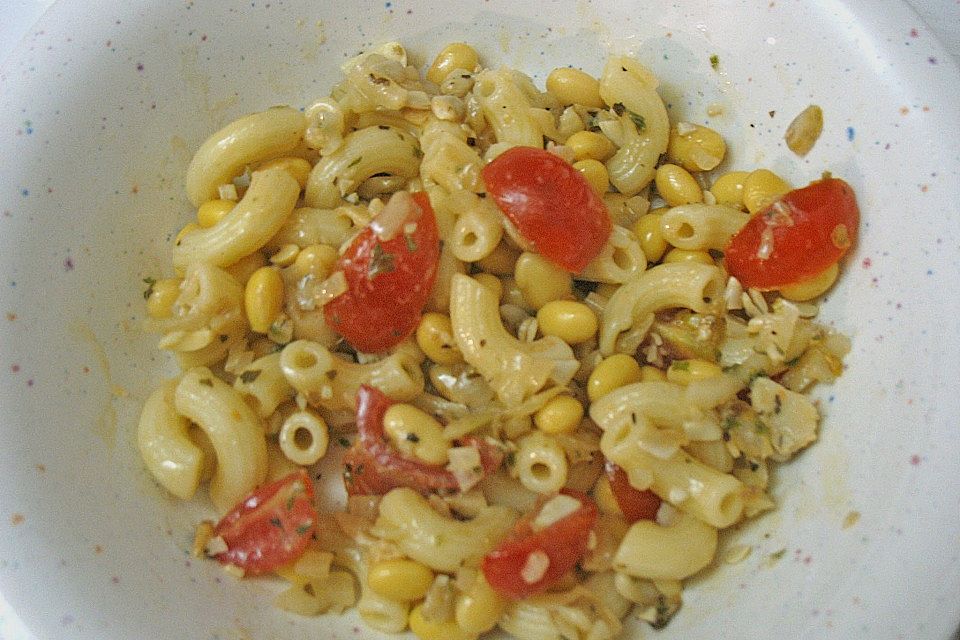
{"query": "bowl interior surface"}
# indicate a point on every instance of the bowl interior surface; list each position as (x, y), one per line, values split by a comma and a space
(102, 108)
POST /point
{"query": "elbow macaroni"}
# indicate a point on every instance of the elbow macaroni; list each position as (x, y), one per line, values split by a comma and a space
(650, 358)
(248, 140)
(249, 225)
(234, 430)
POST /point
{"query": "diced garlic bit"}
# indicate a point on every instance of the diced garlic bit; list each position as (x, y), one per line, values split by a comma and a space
(527, 331)
(791, 417)
(666, 514)
(228, 192)
(400, 208)
(234, 570)
(332, 287)
(683, 128)
(754, 303)
(561, 151)
(535, 567)
(465, 465)
(677, 496)
(554, 510)
(804, 131)
(592, 540)
(737, 554)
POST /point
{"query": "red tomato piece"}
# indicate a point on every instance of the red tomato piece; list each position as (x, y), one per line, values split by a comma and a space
(551, 205)
(561, 544)
(271, 527)
(635, 504)
(373, 467)
(388, 281)
(797, 237)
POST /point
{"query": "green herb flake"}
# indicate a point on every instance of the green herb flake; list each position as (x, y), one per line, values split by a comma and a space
(680, 365)
(149, 282)
(355, 162)
(380, 262)
(295, 490)
(207, 382)
(638, 120)
(777, 555)
(417, 153)
(249, 376)
(343, 442)
(411, 243)
(303, 528)
(715, 62)
(276, 522)
(619, 109)
(411, 437)
(223, 337)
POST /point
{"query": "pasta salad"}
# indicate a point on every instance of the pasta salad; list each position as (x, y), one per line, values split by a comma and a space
(551, 346)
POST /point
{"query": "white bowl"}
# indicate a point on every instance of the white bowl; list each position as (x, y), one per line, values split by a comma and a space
(101, 109)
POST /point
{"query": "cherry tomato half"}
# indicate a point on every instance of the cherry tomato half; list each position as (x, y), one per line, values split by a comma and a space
(635, 504)
(388, 281)
(561, 545)
(797, 237)
(551, 205)
(373, 467)
(271, 527)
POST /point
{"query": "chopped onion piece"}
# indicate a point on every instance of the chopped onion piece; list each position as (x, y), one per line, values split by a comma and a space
(228, 192)
(555, 509)
(332, 287)
(766, 243)
(400, 210)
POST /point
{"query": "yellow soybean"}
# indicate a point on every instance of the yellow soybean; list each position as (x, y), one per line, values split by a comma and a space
(435, 338)
(650, 233)
(612, 373)
(572, 322)
(761, 188)
(456, 55)
(263, 298)
(400, 579)
(572, 86)
(426, 629)
(561, 414)
(677, 186)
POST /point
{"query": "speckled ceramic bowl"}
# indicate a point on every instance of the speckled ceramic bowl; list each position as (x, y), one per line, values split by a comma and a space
(101, 109)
